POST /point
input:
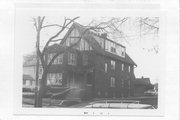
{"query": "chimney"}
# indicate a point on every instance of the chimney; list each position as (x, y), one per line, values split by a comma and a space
(104, 35)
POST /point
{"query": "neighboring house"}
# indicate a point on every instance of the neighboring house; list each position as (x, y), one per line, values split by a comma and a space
(29, 66)
(96, 67)
(28, 82)
(141, 85)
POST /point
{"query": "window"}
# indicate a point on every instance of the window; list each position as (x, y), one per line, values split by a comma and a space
(50, 56)
(85, 59)
(71, 59)
(74, 37)
(105, 67)
(123, 52)
(28, 82)
(54, 79)
(107, 45)
(129, 69)
(122, 67)
(112, 84)
(58, 59)
(113, 64)
(40, 72)
(113, 50)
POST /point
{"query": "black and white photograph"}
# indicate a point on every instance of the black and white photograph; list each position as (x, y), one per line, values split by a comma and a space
(91, 62)
(87, 61)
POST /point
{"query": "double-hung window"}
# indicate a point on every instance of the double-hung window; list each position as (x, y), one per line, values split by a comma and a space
(122, 67)
(54, 79)
(113, 63)
(71, 59)
(105, 67)
(129, 69)
(112, 82)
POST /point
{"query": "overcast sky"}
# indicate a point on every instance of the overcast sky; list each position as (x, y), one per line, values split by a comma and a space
(148, 62)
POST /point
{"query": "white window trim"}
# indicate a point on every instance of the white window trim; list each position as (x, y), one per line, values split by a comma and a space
(105, 67)
(113, 64)
(112, 82)
(129, 69)
(71, 59)
(122, 67)
(53, 78)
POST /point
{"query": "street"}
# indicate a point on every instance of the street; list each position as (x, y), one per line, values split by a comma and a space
(28, 101)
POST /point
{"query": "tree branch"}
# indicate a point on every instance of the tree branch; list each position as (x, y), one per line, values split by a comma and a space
(52, 25)
(55, 56)
(58, 33)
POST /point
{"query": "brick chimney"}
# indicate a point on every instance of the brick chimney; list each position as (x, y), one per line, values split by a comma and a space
(104, 35)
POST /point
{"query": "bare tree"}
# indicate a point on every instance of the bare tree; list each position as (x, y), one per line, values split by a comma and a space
(38, 24)
(144, 26)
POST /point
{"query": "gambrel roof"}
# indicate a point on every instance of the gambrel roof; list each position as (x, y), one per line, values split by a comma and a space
(89, 37)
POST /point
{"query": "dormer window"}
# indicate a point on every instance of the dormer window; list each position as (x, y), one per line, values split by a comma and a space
(123, 52)
(113, 50)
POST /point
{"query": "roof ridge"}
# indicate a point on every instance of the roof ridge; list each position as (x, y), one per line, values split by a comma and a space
(95, 33)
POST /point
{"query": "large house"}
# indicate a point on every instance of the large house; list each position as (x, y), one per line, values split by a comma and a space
(96, 67)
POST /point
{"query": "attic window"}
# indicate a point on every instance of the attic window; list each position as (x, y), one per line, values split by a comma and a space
(71, 59)
(123, 52)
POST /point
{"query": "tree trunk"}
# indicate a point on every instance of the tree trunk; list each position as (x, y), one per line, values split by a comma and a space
(42, 89)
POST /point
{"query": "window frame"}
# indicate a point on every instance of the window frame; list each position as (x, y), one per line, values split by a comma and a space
(113, 65)
(105, 67)
(122, 67)
(55, 79)
(129, 69)
(72, 58)
(112, 82)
